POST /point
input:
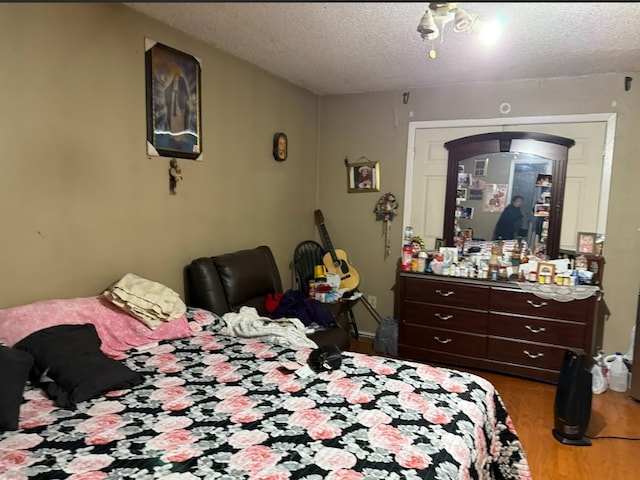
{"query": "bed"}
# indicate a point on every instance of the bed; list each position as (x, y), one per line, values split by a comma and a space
(214, 406)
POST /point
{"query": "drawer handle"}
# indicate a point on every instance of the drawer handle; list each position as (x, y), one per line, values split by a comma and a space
(535, 330)
(446, 340)
(445, 294)
(536, 305)
(534, 355)
(443, 317)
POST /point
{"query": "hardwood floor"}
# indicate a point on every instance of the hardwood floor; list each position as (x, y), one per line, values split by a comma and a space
(531, 404)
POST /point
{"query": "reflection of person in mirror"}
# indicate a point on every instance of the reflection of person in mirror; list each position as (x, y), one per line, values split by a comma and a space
(365, 179)
(509, 221)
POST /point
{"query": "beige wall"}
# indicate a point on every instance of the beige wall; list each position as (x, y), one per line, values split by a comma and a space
(376, 125)
(82, 204)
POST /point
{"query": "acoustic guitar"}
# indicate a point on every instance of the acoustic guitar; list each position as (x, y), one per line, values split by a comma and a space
(336, 260)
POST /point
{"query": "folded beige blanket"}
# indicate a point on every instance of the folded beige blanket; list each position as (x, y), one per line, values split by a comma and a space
(150, 302)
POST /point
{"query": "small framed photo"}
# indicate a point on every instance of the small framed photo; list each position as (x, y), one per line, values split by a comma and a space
(363, 177)
(586, 243)
(599, 243)
(461, 194)
(280, 149)
(464, 180)
(449, 254)
(439, 244)
(541, 210)
(174, 123)
(543, 180)
(464, 212)
(546, 269)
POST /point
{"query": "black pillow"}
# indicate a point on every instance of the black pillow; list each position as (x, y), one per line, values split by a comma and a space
(70, 366)
(14, 372)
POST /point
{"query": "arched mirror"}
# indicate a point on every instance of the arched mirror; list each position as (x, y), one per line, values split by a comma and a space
(486, 172)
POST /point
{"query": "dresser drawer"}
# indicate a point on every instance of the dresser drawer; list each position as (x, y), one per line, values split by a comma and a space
(557, 332)
(453, 294)
(443, 316)
(525, 353)
(513, 301)
(442, 340)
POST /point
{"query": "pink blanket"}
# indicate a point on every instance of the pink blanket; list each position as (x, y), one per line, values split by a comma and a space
(118, 330)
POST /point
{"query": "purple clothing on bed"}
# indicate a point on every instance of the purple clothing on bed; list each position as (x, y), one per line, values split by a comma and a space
(294, 304)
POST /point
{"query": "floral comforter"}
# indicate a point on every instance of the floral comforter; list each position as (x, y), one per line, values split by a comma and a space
(217, 407)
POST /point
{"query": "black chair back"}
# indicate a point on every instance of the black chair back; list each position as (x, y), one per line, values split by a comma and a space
(306, 255)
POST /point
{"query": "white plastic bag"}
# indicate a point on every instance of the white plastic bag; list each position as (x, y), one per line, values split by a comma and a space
(598, 381)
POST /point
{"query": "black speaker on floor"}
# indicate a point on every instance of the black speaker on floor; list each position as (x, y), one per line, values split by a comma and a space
(573, 400)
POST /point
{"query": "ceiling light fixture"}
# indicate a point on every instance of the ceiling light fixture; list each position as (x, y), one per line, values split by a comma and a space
(438, 15)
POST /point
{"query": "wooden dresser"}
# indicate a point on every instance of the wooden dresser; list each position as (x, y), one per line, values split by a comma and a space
(490, 325)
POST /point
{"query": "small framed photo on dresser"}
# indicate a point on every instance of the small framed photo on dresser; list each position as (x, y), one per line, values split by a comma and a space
(586, 243)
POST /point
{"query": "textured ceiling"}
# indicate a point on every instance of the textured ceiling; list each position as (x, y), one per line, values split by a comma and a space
(338, 48)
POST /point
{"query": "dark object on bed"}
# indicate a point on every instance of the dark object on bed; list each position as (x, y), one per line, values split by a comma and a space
(325, 358)
(14, 373)
(71, 368)
(225, 283)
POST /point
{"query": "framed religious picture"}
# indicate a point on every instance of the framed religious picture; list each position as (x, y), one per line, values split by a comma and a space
(363, 177)
(174, 124)
(464, 212)
(586, 243)
(280, 147)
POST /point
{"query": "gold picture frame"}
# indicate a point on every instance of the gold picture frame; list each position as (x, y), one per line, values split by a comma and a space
(546, 269)
(363, 177)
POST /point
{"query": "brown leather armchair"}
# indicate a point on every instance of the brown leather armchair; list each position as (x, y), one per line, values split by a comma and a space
(225, 283)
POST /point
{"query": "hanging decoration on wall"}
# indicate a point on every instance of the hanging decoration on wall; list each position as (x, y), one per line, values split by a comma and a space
(385, 210)
(175, 175)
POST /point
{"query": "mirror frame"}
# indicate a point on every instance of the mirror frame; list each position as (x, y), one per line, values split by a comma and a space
(552, 147)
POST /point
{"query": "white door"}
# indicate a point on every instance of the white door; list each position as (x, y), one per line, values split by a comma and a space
(427, 178)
